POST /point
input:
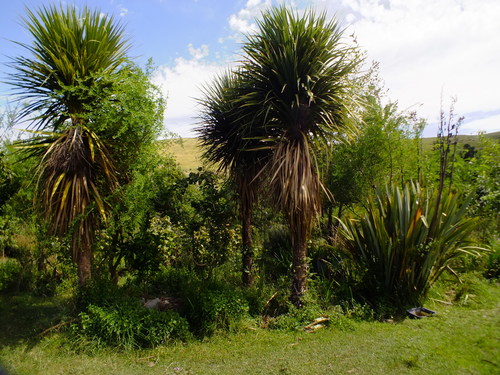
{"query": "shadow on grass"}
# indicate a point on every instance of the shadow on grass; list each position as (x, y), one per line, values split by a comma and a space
(24, 318)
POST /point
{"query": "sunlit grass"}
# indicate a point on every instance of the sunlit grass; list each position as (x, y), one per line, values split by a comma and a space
(186, 152)
(461, 338)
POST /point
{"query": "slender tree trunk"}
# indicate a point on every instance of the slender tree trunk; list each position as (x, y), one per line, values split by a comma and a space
(332, 227)
(329, 225)
(83, 264)
(247, 247)
(299, 269)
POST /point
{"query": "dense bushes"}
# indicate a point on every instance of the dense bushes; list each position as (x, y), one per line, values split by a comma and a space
(130, 325)
(113, 315)
(220, 310)
(10, 275)
(207, 304)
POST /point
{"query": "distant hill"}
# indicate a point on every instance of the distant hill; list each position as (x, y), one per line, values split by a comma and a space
(188, 153)
(472, 140)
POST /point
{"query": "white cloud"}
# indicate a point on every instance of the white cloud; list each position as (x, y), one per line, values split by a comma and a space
(428, 49)
(244, 20)
(123, 12)
(182, 84)
(198, 53)
(487, 124)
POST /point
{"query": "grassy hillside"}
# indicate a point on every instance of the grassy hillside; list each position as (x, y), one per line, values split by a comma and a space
(188, 153)
(472, 140)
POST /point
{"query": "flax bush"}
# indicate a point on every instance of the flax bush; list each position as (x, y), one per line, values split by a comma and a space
(404, 244)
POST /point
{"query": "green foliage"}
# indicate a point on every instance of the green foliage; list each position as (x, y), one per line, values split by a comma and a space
(130, 326)
(221, 309)
(72, 48)
(9, 184)
(385, 150)
(478, 175)
(296, 318)
(113, 316)
(208, 305)
(10, 275)
(276, 257)
(201, 210)
(99, 292)
(404, 244)
(472, 291)
(173, 281)
(492, 270)
(130, 117)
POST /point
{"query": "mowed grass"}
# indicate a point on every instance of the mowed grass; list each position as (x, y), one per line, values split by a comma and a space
(458, 340)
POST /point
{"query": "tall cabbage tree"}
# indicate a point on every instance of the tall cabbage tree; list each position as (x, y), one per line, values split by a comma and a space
(296, 96)
(68, 69)
(233, 149)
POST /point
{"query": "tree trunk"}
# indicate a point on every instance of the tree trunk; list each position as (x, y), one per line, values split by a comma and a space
(299, 269)
(329, 224)
(247, 247)
(83, 264)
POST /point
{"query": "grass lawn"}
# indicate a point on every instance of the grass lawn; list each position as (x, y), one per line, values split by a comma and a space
(458, 340)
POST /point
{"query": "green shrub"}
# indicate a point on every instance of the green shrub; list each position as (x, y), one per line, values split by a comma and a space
(221, 309)
(493, 263)
(209, 305)
(404, 244)
(130, 326)
(277, 252)
(177, 282)
(100, 292)
(295, 318)
(44, 284)
(473, 291)
(10, 275)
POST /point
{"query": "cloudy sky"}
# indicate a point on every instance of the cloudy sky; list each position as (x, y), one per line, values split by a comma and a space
(427, 50)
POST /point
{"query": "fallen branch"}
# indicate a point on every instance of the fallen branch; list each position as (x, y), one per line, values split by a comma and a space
(443, 302)
(56, 327)
(316, 324)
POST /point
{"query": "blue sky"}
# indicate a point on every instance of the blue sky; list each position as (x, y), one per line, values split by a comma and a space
(427, 50)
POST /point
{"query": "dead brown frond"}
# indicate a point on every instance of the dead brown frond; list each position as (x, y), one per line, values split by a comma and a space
(295, 185)
(74, 163)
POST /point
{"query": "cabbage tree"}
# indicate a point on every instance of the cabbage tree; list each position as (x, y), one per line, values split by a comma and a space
(67, 70)
(296, 95)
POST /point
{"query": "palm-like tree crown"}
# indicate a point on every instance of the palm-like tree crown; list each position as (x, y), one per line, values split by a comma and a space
(71, 51)
(229, 142)
(297, 88)
(233, 147)
(298, 69)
